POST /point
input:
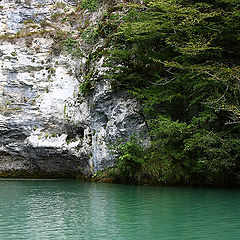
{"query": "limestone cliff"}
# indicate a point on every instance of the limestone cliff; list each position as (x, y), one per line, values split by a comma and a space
(49, 126)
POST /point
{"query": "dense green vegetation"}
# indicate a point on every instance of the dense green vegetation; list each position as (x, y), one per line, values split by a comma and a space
(180, 59)
(91, 5)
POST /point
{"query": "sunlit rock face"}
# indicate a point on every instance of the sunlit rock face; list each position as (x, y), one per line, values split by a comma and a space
(47, 127)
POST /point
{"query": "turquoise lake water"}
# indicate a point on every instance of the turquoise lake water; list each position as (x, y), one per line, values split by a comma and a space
(58, 209)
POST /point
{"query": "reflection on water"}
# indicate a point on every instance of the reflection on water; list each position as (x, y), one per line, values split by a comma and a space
(78, 210)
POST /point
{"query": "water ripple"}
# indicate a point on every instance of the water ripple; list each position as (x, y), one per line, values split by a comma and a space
(71, 210)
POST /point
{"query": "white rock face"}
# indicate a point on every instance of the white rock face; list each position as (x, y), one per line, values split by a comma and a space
(46, 126)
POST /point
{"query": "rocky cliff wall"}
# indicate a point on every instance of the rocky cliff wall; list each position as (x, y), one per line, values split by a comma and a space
(48, 126)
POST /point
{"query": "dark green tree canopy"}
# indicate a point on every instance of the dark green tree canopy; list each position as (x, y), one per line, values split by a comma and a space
(181, 60)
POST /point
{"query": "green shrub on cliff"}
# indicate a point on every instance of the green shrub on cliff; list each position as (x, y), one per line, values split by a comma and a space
(180, 59)
(91, 5)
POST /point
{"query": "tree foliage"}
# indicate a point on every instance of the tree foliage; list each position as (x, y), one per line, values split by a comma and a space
(180, 59)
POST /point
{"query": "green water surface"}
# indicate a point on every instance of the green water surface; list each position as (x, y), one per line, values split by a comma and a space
(58, 209)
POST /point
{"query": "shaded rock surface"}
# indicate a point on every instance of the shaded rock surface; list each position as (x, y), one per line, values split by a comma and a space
(47, 126)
